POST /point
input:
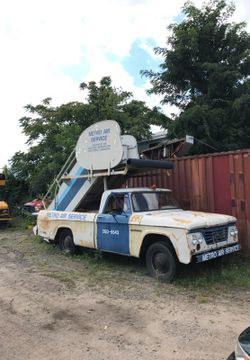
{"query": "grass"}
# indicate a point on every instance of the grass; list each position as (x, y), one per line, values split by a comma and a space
(90, 267)
(21, 221)
(222, 276)
(127, 275)
(64, 277)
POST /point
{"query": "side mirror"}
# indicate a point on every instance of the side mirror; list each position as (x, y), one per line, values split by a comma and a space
(242, 348)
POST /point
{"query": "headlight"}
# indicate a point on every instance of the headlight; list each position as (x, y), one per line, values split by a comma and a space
(195, 238)
(233, 231)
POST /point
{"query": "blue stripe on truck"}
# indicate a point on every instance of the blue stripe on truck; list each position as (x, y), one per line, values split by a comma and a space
(72, 189)
(113, 233)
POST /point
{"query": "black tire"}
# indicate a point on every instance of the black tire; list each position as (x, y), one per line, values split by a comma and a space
(161, 262)
(66, 242)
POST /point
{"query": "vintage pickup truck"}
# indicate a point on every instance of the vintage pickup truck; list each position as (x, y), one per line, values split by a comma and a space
(143, 223)
(89, 211)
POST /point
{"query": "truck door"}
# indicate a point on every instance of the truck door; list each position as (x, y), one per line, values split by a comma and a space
(112, 225)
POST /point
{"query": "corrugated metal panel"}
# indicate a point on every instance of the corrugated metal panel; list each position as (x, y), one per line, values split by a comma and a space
(222, 192)
(246, 162)
(214, 182)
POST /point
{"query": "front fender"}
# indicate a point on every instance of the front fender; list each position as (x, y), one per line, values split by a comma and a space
(177, 237)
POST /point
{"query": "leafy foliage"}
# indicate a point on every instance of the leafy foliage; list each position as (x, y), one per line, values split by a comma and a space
(52, 132)
(205, 72)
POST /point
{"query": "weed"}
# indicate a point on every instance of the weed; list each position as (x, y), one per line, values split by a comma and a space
(127, 275)
(62, 277)
(216, 277)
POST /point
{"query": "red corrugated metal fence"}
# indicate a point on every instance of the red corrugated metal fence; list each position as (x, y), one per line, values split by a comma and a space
(216, 183)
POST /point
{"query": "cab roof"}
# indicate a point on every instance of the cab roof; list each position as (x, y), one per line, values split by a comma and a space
(140, 189)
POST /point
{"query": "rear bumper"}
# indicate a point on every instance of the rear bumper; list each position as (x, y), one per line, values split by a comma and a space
(210, 255)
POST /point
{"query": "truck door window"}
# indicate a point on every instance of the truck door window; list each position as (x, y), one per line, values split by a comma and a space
(117, 204)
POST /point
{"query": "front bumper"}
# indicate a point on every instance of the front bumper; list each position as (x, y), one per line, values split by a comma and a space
(210, 255)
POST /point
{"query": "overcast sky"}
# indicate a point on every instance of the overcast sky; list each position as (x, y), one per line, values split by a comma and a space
(48, 47)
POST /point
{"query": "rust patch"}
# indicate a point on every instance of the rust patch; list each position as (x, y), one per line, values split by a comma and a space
(182, 221)
(43, 224)
(174, 236)
(136, 219)
(202, 214)
(135, 240)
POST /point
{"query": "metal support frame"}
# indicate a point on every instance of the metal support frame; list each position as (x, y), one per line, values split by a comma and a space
(92, 174)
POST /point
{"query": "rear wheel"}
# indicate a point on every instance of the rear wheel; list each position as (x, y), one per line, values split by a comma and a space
(161, 262)
(66, 242)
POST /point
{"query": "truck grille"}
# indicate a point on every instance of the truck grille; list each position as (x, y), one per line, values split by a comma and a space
(215, 234)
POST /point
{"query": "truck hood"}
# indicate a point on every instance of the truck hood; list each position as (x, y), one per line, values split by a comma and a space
(3, 205)
(185, 219)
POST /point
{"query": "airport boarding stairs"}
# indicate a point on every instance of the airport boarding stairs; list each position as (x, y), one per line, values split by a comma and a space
(102, 159)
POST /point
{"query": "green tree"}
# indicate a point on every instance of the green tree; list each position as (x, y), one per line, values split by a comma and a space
(205, 73)
(52, 132)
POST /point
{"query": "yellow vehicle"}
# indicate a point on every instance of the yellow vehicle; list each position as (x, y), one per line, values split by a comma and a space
(4, 208)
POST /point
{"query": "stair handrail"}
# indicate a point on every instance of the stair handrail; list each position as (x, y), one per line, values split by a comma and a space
(64, 170)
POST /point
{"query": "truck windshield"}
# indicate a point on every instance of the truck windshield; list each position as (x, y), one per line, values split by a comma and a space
(152, 201)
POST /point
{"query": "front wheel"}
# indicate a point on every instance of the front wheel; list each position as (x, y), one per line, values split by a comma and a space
(161, 262)
(66, 242)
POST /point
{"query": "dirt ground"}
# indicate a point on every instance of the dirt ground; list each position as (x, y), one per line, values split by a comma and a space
(43, 317)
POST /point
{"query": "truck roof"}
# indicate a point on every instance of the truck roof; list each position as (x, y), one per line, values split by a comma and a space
(140, 189)
(126, 190)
